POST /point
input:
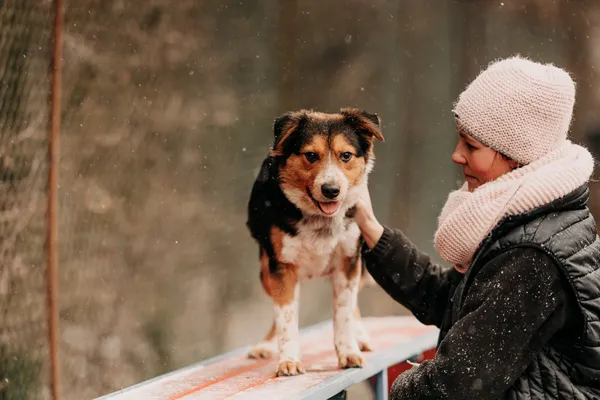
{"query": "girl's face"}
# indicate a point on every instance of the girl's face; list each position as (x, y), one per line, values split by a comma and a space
(480, 163)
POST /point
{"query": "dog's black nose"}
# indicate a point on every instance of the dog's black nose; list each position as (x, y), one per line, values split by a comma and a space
(330, 190)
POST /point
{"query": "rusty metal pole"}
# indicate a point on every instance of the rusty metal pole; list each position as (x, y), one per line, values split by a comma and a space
(53, 155)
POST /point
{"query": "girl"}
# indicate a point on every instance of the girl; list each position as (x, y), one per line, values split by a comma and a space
(519, 314)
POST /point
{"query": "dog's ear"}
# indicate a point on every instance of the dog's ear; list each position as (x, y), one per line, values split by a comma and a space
(283, 127)
(374, 118)
(366, 123)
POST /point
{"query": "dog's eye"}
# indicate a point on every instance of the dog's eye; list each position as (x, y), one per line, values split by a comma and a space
(346, 156)
(311, 157)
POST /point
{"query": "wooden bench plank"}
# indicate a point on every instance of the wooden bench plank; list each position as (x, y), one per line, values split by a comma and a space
(234, 376)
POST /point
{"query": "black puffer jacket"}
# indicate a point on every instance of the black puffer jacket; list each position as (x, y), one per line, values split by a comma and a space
(523, 323)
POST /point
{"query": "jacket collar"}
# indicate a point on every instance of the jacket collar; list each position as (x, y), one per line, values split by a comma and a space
(576, 200)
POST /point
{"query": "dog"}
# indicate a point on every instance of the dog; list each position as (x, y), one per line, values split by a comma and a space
(300, 213)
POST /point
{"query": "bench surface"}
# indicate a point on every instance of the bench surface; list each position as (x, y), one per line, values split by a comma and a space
(234, 376)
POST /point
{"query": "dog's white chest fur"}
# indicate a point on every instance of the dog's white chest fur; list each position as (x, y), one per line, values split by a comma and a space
(321, 242)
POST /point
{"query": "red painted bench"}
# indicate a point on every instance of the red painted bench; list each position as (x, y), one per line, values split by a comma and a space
(233, 376)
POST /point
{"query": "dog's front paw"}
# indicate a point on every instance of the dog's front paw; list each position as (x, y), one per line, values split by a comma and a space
(262, 350)
(289, 368)
(351, 360)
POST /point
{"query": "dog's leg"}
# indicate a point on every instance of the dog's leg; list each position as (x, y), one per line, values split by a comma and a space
(345, 291)
(285, 293)
(267, 347)
(362, 336)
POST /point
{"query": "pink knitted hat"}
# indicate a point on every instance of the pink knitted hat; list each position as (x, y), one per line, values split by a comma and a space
(519, 108)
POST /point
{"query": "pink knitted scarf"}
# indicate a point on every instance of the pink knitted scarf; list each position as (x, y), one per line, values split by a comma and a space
(468, 217)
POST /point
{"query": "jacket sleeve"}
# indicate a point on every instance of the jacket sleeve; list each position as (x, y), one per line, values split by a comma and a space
(511, 311)
(409, 276)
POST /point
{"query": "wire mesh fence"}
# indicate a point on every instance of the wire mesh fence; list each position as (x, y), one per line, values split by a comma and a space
(166, 114)
(24, 47)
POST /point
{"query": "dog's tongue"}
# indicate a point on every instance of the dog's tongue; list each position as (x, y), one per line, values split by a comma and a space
(330, 208)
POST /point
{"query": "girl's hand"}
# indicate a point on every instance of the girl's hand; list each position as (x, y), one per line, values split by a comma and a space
(370, 228)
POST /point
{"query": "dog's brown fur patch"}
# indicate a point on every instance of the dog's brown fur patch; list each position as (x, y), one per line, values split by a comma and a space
(280, 285)
(351, 266)
(283, 285)
(264, 272)
(353, 169)
(298, 173)
(277, 239)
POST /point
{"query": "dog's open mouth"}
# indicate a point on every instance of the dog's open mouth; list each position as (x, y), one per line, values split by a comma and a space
(326, 207)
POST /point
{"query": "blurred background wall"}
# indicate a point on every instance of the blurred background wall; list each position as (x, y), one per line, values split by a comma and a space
(167, 112)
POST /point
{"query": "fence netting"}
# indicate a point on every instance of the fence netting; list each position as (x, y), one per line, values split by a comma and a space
(24, 92)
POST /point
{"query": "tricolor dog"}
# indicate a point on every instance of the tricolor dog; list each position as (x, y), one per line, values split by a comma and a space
(301, 214)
